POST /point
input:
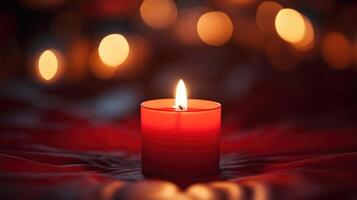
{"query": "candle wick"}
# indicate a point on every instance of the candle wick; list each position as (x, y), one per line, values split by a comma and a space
(180, 107)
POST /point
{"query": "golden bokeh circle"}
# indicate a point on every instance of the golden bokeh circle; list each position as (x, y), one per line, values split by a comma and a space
(215, 28)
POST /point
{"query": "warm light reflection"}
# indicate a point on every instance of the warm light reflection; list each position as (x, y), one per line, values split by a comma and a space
(108, 190)
(232, 190)
(308, 41)
(215, 28)
(158, 13)
(48, 65)
(113, 50)
(290, 25)
(201, 191)
(265, 16)
(260, 191)
(152, 189)
(181, 96)
(336, 50)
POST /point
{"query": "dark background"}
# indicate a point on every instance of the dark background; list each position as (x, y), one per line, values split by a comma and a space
(257, 77)
(288, 115)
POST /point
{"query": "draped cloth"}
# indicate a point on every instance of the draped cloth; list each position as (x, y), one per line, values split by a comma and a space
(57, 155)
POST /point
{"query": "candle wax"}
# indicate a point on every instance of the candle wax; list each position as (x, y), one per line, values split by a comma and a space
(180, 143)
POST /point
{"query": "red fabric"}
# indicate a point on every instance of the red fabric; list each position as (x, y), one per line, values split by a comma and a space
(76, 157)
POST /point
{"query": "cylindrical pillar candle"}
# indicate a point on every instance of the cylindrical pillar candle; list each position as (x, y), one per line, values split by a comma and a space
(180, 143)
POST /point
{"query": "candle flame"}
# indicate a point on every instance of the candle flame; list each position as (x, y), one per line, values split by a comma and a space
(48, 65)
(181, 96)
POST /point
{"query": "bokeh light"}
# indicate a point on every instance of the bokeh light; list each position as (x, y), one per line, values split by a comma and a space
(260, 191)
(336, 50)
(113, 49)
(215, 28)
(158, 13)
(201, 191)
(265, 16)
(308, 41)
(108, 190)
(290, 25)
(153, 189)
(133, 66)
(48, 65)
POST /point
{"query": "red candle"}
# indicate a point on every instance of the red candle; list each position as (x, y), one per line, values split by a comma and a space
(180, 137)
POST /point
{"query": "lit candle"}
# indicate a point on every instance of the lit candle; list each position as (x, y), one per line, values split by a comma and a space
(180, 137)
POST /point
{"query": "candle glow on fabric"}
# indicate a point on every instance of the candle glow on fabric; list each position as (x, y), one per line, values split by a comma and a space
(180, 142)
